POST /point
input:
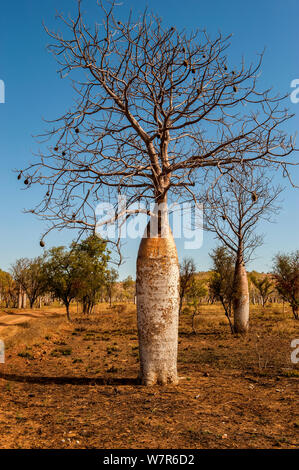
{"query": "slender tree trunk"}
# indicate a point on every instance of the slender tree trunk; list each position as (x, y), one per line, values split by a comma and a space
(67, 306)
(241, 297)
(295, 312)
(24, 300)
(20, 295)
(84, 305)
(195, 313)
(181, 304)
(227, 311)
(157, 288)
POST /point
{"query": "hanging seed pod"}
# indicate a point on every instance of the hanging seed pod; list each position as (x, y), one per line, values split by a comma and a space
(233, 72)
(223, 217)
(204, 56)
(225, 67)
(19, 176)
(26, 181)
(77, 130)
(254, 196)
(184, 50)
(63, 154)
(235, 88)
(193, 70)
(172, 28)
(56, 148)
(185, 63)
(42, 243)
(231, 180)
(48, 194)
(119, 23)
(73, 216)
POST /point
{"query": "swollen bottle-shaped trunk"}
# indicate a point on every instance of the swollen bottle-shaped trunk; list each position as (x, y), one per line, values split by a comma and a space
(241, 298)
(20, 298)
(157, 289)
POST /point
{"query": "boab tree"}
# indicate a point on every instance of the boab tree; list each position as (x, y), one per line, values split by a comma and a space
(153, 106)
(235, 203)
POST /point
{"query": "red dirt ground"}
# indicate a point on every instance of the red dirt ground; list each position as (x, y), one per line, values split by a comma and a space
(73, 385)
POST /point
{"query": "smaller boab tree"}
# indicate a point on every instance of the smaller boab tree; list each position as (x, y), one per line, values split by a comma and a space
(286, 275)
(234, 205)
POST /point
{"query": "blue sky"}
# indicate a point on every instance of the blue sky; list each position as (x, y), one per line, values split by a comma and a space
(34, 91)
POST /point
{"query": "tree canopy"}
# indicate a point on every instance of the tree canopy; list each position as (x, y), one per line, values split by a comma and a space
(78, 272)
(155, 108)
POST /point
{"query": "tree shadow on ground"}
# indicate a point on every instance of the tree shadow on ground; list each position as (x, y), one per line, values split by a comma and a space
(41, 380)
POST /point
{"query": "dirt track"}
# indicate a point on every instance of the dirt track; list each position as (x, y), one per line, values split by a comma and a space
(10, 321)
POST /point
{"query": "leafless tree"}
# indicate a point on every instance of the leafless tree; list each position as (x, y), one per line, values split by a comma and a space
(234, 205)
(155, 106)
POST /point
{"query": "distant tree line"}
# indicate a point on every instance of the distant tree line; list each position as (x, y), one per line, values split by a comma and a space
(81, 273)
(78, 273)
(281, 285)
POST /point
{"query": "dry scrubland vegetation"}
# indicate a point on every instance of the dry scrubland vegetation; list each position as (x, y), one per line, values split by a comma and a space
(73, 385)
